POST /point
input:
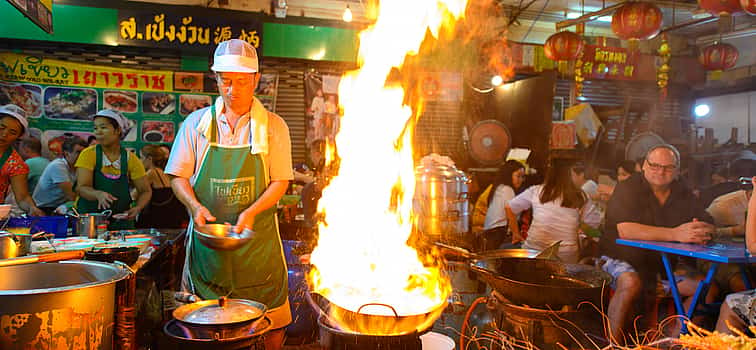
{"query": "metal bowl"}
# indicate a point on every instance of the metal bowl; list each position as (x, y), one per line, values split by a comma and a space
(222, 237)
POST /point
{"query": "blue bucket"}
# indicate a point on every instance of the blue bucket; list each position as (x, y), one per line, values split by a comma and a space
(57, 225)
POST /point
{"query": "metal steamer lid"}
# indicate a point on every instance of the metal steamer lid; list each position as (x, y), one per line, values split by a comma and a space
(221, 311)
(441, 172)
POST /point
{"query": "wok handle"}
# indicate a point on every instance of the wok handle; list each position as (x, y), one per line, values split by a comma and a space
(379, 304)
(31, 259)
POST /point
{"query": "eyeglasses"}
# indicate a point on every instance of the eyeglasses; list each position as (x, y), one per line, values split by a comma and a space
(659, 167)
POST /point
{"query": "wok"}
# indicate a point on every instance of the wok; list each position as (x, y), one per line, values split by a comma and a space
(369, 324)
(543, 283)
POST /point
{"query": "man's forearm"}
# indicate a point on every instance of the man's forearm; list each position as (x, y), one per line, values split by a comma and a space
(632, 230)
(270, 197)
(184, 191)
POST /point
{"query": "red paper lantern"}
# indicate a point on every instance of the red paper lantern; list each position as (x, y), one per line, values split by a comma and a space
(718, 57)
(563, 46)
(637, 21)
(749, 6)
(720, 7)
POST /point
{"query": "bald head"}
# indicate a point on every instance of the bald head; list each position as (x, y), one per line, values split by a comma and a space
(661, 166)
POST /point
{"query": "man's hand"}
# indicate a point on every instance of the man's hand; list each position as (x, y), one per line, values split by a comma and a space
(246, 220)
(201, 215)
(104, 200)
(698, 232)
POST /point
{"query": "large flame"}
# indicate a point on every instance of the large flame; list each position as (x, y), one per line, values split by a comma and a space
(362, 256)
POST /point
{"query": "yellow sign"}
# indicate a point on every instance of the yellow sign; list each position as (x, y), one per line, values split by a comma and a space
(47, 3)
(38, 70)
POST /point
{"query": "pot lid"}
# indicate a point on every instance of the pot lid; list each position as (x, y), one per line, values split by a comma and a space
(221, 311)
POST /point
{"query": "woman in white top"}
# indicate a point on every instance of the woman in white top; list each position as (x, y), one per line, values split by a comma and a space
(559, 206)
(508, 183)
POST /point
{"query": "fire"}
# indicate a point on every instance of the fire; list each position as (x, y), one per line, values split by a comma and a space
(362, 256)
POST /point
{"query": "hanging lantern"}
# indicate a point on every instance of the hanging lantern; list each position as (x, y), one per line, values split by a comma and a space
(718, 57)
(636, 21)
(662, 71)
(563, 46)
(749, 6)
(721, 7)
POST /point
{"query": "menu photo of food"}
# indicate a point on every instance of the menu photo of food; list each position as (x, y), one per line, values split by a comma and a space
(191, 103)
(70, 103)
(123, 101)
(26, 96)
(52, 141)
(186, 81)
(157, 131)
(158, 103)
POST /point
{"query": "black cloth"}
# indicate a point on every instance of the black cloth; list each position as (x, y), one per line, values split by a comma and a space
(634, 201)
(163, 211)
(709, 194)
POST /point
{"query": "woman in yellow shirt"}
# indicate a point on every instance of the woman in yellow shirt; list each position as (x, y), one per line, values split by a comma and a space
(104, 170)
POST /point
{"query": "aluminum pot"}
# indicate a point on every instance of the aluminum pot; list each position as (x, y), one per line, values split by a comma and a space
(441, 201)
(14, 245)
(54, 305)
(220, 319)
(86, 224)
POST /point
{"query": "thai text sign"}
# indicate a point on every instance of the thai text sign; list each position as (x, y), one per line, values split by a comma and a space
(37, 70)
(178, 30)
(603, 62)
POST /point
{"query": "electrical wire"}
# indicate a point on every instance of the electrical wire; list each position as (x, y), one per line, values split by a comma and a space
(535, 20)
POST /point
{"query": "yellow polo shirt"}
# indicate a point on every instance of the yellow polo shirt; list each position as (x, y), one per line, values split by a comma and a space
(88, 158)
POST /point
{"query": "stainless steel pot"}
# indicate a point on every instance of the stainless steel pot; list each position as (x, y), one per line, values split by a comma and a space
(54, 305)
(441, 200)
(86, 224)
(14, 245)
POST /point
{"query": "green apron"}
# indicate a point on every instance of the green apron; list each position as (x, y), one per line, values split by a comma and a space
(230, 179)
(117, 187)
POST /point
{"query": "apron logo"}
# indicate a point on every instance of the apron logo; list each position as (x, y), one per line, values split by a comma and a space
(232, 192)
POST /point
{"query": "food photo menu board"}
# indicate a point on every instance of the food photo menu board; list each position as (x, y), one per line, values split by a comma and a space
(61, 97)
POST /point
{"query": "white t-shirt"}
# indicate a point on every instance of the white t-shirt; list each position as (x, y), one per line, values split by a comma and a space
(552, 222)
(496, 216)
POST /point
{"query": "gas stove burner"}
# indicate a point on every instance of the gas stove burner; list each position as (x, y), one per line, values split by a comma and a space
(332, 338)
(573, 327)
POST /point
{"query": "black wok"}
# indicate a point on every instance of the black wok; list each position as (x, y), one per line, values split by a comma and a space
(543, 283)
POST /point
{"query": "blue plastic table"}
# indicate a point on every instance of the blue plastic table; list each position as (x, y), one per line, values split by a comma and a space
(718, 252)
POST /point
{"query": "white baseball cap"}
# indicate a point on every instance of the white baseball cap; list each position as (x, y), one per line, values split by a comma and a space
(18, 113)
(235, 56)
(116, 116)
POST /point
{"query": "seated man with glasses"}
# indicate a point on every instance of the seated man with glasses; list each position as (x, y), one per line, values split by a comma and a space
(651, 205)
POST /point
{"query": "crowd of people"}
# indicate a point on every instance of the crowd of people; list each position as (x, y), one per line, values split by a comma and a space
(648, 200)
(86, 178)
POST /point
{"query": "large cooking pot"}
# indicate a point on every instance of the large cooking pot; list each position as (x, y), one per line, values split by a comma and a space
(544, 283)
(54, 305)
(441, 200)
(371, 324)
(220, 319)
(86, 224)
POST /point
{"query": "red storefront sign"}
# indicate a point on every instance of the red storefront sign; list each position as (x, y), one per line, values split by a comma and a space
(604, 62)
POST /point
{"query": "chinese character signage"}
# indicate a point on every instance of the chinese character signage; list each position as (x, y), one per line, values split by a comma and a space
(175, 30)
(604, 62)
(38, 11)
